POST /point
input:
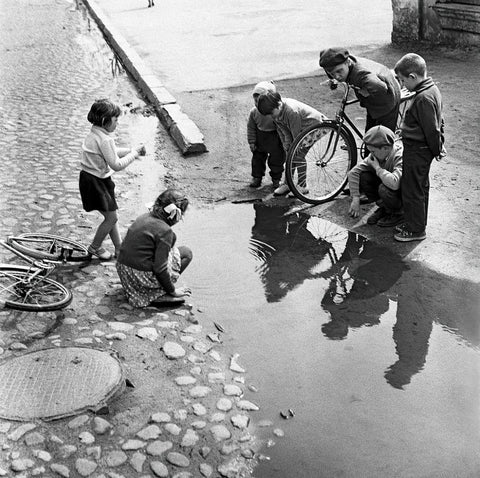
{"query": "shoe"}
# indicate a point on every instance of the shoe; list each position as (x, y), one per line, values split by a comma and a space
(390, 220)
(376, 216)
(256, 183)
(301, 189)
(167, 300)
(281, 190)
(275, 183)
(99, 252)
(408, 236)
(400, 227)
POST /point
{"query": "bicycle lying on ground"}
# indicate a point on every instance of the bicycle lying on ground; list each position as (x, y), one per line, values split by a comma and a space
(28, 287)
(321, 156)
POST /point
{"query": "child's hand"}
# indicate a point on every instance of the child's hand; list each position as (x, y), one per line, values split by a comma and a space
(354, 207)
(252, 148)
(141, 150)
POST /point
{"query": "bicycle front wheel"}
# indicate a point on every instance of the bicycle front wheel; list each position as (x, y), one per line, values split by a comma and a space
(21, 290)
(318, 162)
(49, 246)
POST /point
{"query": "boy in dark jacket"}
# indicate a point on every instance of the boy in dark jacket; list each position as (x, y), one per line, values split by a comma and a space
(422, 137)
(374, 84)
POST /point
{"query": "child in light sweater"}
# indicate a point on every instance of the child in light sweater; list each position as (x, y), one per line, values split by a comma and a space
(265, 144)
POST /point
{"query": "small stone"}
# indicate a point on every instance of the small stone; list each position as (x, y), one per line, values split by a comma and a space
(247, 453)
(172, 350)
(20, 431)
(116, 336)
(220, 432)
(22, 464)
(101, 426)
(180, 415)
(199, 424)
(192, 358)
(17, 346)
(192, 329)
(232, 468)
(178, 459)
(159, 469)
(183, 474)
(265, 423)
(199, 391)
(116, 458)
(94, 451)
(173, 429)
(279, 432)
(224, 404)
(149, 333)
(78, 421)
(229, 448)
(158, 447)
(185, 380)
(240, 421)
(34, 438)
(133, 445)
(199, 409)
(206, 470)
(4, 427)
(61, 470)
(217, 417)
(216, 377)
(232, 390)
(172, 325)
(40, 470)
(43, 455)
(215, 356)
(205, 451)
(137, 461)
(56, 440)
(248, 406)
(121, 326)
(85, 467)
(66, 450)
(151, 432)
(234, 367)
(214, 337)
(189, 439)
(201, 347)
(196, 370)
(87, 438)
(160, 417)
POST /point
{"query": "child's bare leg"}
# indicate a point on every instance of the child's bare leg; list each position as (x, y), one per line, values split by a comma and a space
(109, 222)
(116, 237)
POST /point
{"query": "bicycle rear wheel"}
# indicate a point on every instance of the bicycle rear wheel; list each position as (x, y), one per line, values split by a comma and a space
(19, 290)
(49, 246)
(318, 162)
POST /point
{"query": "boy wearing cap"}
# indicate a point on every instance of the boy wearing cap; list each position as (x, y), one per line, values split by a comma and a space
(374, 84)
(423, 138)
(264, 141)
(378, 177)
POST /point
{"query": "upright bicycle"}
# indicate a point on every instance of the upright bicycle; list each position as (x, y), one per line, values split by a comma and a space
(29, 287)
(321, 156)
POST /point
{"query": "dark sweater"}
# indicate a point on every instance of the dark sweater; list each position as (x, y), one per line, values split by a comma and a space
(423, 119)
(146, 248)
(375, 86)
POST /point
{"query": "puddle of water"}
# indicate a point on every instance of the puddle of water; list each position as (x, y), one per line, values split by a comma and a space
(381, 372)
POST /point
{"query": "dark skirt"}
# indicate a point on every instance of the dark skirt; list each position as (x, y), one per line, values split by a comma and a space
(97, 194)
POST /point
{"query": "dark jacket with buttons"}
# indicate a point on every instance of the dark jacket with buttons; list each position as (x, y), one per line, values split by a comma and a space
(375, 86)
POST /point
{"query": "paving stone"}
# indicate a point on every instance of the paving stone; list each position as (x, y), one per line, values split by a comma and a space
(101, 426)
(178, 459)
(78, 422)
(247, 405)
(61, 470)
(206, 470)
(86, 438)
(220, 432)
(137, 460)
(34, 438)
(151, 432)
(173, 429)
(85, 467)
(159, 469)
(160, 417)
(16, 434)
(115, 458)
(172, 350)
(22, 464)
(133, 445)
(158, 447)
(199, 391)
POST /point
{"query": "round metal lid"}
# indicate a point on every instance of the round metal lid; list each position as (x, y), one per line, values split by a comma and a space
(58, 382)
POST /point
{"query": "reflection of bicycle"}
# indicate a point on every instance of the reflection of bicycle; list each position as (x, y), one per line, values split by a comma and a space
(29, 287)
(320, 157)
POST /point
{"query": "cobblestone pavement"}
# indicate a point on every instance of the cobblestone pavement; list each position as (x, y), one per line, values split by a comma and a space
(184, 413)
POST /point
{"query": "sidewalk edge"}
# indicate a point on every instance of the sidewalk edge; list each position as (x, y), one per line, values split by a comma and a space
(181, 128)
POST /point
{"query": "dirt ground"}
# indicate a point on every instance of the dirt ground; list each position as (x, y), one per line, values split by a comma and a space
(223, 173)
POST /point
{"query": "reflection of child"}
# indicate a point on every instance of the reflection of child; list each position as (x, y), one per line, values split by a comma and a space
(264, 141)
(291, 117)
(422, 137)
(378, 177)
(100, 158)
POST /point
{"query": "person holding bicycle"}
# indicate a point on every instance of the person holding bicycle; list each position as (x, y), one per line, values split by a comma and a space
(378, 177)
(291, 117)
(149, 262)
(374, 84)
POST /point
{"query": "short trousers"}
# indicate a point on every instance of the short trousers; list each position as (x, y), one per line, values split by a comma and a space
(97, 194)
(142, 287)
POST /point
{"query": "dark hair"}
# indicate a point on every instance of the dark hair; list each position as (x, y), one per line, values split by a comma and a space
(267, 102)
(411, 63)
(169, 196)
(102, 112)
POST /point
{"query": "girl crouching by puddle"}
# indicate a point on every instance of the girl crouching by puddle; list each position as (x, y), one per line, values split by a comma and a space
(149, 263)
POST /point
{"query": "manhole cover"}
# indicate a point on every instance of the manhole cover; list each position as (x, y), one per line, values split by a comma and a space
(54, 383)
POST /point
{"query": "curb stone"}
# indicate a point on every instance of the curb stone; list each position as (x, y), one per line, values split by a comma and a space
(181, 128)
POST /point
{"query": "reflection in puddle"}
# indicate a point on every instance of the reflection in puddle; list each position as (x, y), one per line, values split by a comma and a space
(361, 344)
